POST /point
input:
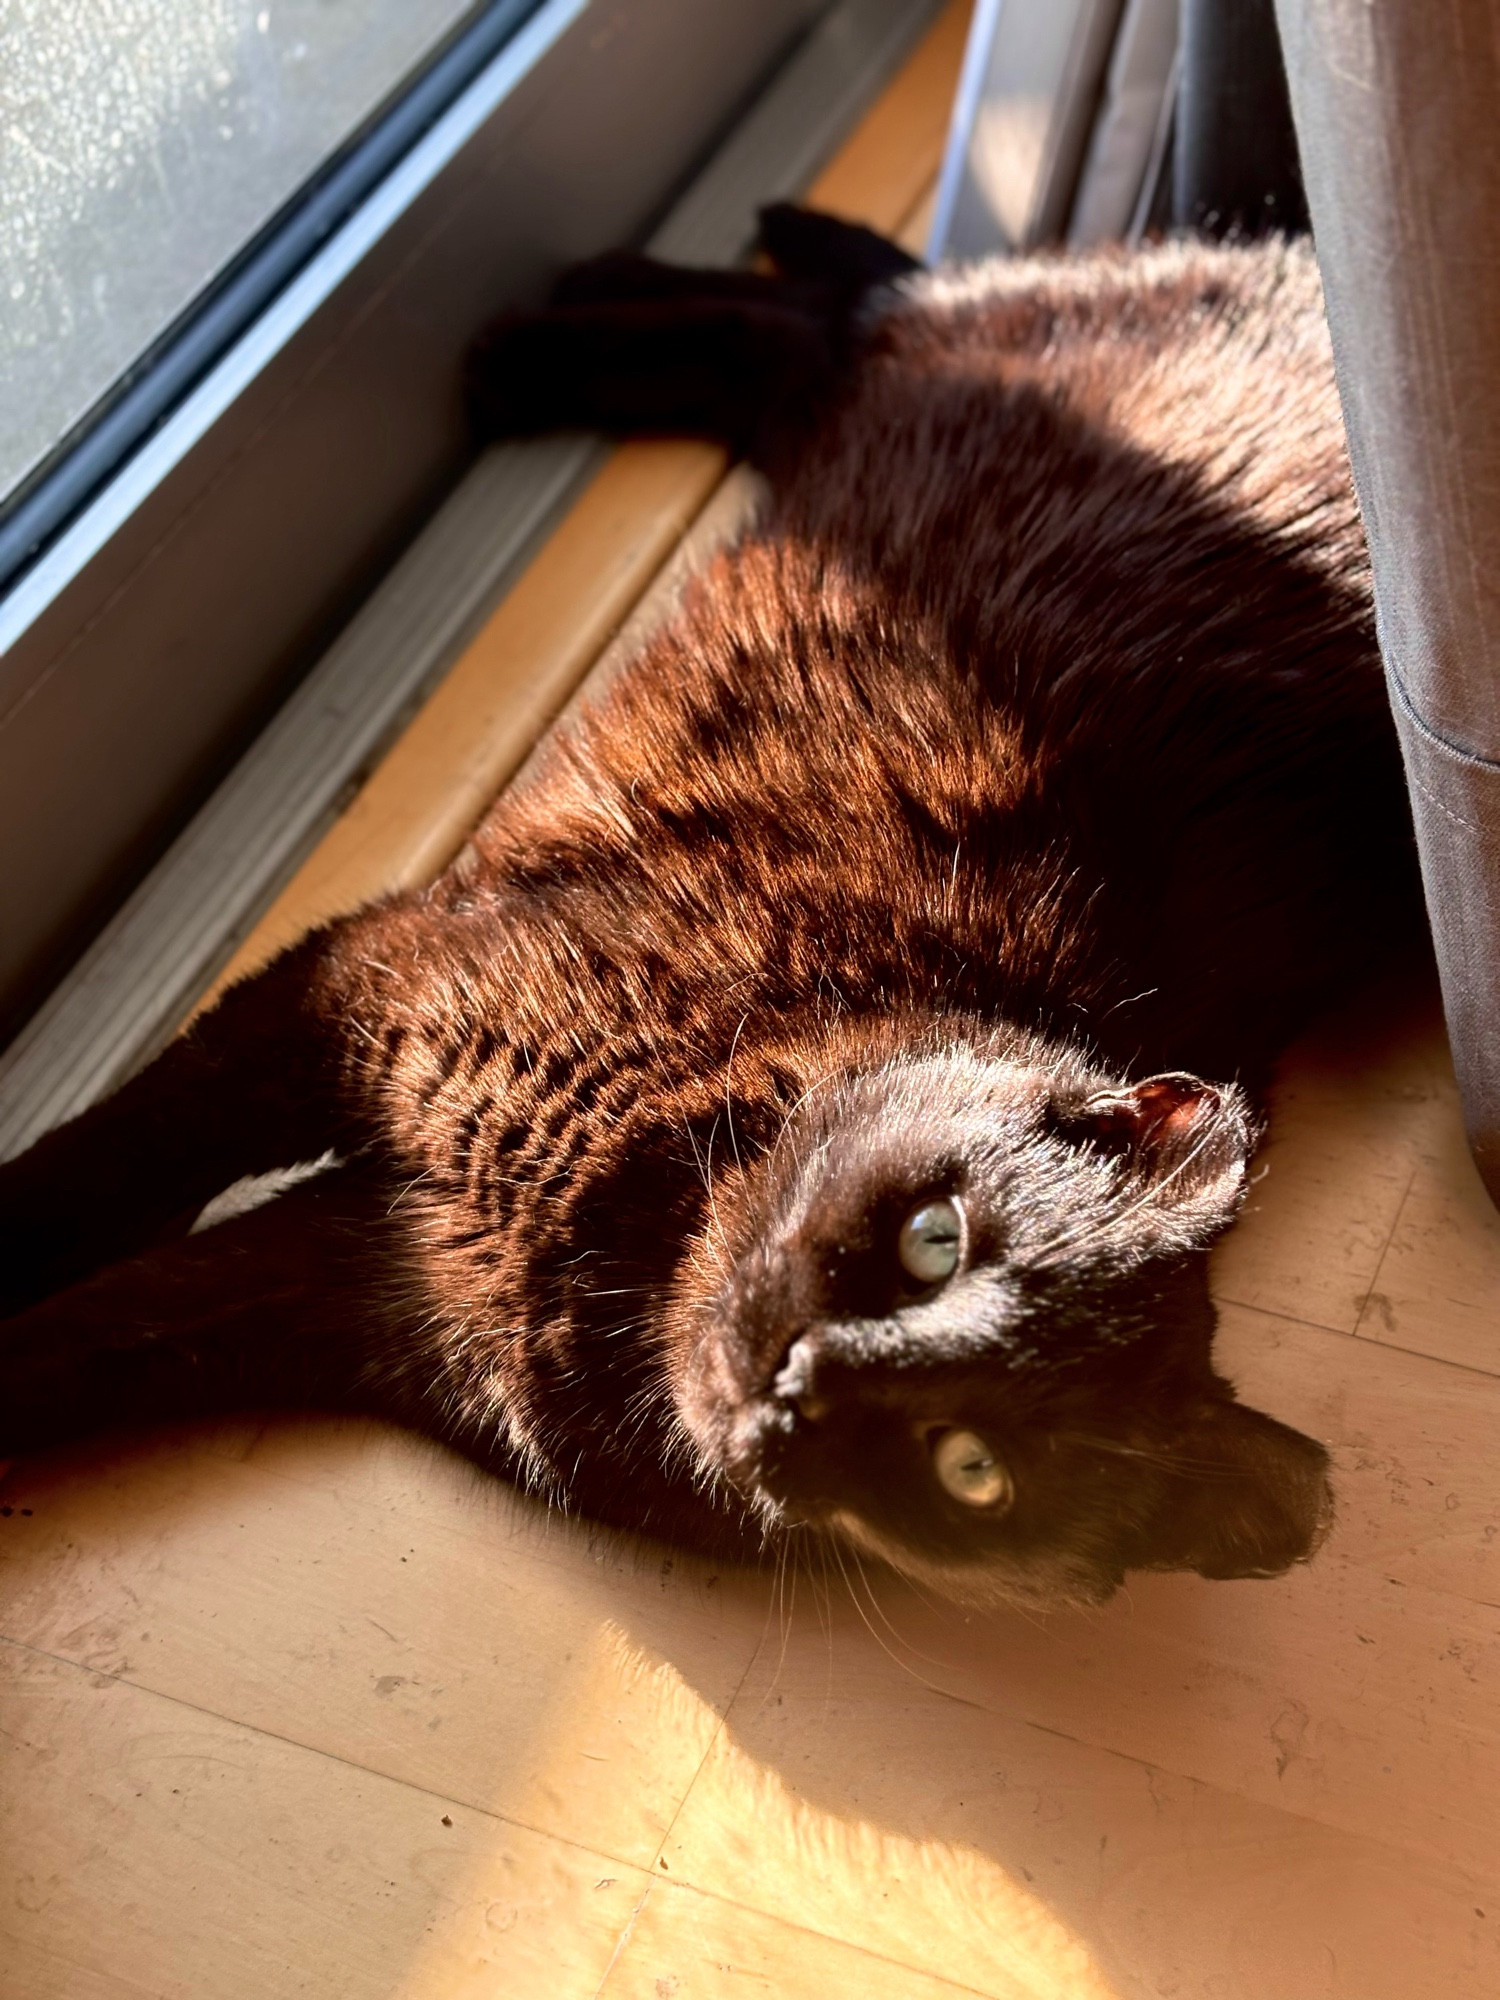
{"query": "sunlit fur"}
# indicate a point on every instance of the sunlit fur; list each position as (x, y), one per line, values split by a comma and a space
(1026, 761)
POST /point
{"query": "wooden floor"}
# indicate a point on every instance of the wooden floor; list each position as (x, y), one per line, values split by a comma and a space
(307, 1708)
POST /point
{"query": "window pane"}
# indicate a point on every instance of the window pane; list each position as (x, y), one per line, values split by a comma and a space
(142, 144)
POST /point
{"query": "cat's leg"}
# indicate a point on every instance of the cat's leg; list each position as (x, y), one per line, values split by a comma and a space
(620, 276)
(634, 347)
(804, 243)
(259, 1082)
(738, 372)
(820, 263)
(291, 1305)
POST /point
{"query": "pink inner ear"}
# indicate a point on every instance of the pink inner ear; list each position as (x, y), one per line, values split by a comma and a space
(1155, 1112)
(1167, 1106)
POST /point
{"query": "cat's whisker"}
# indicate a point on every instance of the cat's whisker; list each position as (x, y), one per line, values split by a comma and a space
(708, 1177)
(879, 1609)
(822, 1603)
(1115, 1220)
(1167, 1461)
(705, 1170)
(728, 1097)
(774, 1604)
(783, 1611)
(890, 1653)
(807, 1095)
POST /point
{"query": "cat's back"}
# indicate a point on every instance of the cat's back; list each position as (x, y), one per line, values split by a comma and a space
(1062, 504)
(1066, 588)
(1114, 473)
(1213, 359)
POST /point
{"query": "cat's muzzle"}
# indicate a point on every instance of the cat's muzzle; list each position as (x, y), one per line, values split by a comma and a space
(831, 1439)
(989, 1488)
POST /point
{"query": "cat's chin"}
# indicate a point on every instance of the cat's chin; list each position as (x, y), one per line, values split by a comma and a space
(988, 1585)
(1257, 1506)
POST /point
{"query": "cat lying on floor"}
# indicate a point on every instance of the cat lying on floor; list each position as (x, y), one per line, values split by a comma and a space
(786, 1119)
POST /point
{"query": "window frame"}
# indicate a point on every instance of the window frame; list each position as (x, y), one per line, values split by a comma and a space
(184, 914)
(168, 617)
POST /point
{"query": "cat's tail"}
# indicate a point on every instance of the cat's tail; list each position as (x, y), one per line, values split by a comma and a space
(259, 1082)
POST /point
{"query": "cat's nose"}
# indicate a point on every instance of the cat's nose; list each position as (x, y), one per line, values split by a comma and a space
(796, 1381)
(823, 1382)
(833, 1423)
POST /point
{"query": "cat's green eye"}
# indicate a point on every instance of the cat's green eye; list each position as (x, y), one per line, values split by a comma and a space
(969, 1470)
(930, 1241)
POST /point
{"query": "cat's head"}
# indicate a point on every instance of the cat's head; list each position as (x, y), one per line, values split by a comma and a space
(958, 1317)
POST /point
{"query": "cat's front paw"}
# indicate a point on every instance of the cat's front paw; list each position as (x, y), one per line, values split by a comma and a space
(520, 379)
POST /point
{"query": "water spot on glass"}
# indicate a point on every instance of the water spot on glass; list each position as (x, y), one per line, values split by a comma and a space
(149, 140)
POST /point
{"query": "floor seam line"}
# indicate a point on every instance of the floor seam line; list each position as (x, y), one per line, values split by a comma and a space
(708, 1751)
(1364, 1339)
(830, 1937)
(1385, 1248)
(317, 1750)
(1273, 1312)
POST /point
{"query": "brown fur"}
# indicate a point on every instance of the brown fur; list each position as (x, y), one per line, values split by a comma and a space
(1030, 745)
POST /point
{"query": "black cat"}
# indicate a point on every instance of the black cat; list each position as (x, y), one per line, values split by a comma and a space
(786, 1119)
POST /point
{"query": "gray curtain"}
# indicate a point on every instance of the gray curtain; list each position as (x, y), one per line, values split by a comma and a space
(1397, 108)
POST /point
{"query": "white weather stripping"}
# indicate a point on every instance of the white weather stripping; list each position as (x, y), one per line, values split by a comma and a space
(142, 973)
(1021, 124)
(1128, 131)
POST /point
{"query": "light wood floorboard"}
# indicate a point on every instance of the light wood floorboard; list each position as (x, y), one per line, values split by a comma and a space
(311, 1708)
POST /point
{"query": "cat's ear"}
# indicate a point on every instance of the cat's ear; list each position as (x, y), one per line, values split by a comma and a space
(1188, 1140)
(1157, 1115)
(1246, 1497)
